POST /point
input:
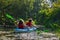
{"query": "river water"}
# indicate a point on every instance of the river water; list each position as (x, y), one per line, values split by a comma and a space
(27, 36)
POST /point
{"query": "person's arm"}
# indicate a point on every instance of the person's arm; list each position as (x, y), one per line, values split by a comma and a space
(16, 23)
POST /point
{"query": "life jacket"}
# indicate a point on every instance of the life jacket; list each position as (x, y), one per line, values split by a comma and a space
(29, 24)
(21, 26)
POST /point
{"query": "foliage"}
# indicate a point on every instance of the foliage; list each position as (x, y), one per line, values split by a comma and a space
(42, 12)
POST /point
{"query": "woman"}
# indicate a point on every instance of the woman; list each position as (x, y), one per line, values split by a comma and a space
(21, 24)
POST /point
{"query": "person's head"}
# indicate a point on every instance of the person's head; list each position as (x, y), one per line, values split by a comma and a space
(21, 21)
(30, 19)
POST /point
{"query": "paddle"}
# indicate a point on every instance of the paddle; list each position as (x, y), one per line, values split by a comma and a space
(10, 17)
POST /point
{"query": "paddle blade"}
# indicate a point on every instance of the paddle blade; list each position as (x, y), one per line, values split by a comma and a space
(9, 16)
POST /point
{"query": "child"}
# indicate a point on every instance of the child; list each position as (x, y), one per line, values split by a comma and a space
(21, 24)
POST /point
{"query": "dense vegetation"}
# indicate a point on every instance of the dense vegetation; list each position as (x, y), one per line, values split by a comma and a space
(43, 12)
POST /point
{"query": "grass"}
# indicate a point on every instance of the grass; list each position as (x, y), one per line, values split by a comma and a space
(57, 32)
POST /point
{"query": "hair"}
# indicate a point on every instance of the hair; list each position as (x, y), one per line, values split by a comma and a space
(20, 22)
(30, 20)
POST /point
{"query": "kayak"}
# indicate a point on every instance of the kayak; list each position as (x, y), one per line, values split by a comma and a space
(25, 29)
